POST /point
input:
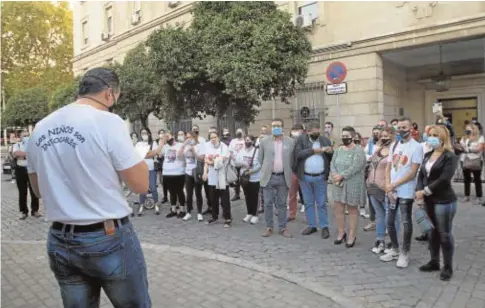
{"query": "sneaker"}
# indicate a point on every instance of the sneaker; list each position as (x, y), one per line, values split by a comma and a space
(254, 220)
(388, 248)
(171, 214)
(247, 218)
(187, 217)
(23, 216)
(181, 215)
(403, 260)
(362, 213)
(379, 247)
(465, 199)
(390, 256)
(235, 198)
(370, 227)
(309, 230)
(325, 233)
(302, 209)
(431, 266)
(200, 217)
(446, 273)
(36, 215)
(211, 221)
(286, 233)
(478, 201)
(157, 210)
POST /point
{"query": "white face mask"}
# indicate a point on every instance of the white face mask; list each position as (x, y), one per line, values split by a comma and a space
(144, 137)
(295, 134)
(180, 138)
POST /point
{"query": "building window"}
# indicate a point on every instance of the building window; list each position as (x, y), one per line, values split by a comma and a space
(109, 20)
(309, 9)
(84, 31)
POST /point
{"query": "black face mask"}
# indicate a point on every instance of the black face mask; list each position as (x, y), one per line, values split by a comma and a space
(404, 134)
(196, 132)
(385, 142)
(468, 132)
(376, 138)
(170, 142)
(249, 144)
(314, 136)
(346, 141)
(238, 135)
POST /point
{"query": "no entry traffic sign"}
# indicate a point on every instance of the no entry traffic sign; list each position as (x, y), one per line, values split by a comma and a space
(336, 72)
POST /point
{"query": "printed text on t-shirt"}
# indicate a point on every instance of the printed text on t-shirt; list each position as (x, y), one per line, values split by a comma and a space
(61, 134)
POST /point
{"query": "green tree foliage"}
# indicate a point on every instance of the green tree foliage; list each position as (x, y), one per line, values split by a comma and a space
(36, 41)
(64, 95)
(142, 92)
(26, 107)
(234, 54)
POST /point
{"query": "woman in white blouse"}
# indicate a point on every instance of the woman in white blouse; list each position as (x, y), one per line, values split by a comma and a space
(174, 176)
(247, 160)
(216, 152)
(472, 160)
(148, 145)
(189, 152)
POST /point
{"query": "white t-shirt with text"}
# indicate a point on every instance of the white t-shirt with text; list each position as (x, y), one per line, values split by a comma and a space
(76, 153)
(236, 146)
(402, 158)
(173, 165)
(190, 159)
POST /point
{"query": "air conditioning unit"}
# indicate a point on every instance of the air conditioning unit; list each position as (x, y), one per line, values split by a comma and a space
(105, 36)
(135, 18)
(299, 21)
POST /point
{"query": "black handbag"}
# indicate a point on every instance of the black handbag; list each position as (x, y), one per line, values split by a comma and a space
(198, 172)
(244, 179)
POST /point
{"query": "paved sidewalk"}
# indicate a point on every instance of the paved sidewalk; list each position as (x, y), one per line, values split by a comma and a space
(352, 277)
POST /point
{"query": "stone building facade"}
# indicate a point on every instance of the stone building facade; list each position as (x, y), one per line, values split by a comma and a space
(401, 57)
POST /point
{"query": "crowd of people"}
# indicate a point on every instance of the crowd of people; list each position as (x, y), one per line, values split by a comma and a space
(396, 168)
(78, 158)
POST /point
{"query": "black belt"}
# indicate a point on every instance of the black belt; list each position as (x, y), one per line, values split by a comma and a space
(87, 228)
(278, 173)
(314, 174)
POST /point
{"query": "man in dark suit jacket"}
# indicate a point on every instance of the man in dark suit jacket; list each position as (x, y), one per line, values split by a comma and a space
(311, 163)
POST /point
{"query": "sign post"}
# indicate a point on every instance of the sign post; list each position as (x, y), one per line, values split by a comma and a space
(336, 74)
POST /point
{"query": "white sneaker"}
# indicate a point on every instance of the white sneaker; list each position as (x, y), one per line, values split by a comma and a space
(200, 217)
(403, 260)
(390, 256)
(362, 213)
(379, 248)
(302, 210)
(187, 217)
(247, 218)
(388, 248)
(254, 220)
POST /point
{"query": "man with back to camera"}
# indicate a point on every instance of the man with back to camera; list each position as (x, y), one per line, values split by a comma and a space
(78, 156)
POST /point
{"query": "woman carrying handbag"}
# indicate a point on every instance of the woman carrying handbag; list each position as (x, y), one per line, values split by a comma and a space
(249, 177)
(472, 144)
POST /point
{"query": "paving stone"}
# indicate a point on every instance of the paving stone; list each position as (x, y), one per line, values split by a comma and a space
(306, 258)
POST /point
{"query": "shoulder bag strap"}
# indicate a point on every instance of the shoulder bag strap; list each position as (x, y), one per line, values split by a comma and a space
(252, 159)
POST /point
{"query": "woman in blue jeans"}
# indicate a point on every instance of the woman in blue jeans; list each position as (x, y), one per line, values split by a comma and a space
(376, 185)
(434, 186)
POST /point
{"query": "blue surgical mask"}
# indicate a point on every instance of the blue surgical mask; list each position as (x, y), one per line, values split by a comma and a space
(434, 142)
(425, 137)
(277, 131)
(25, 139)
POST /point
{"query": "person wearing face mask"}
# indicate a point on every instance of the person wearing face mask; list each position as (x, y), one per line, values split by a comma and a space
(235, 146)
(402, 167)
(161, 140)
(295, 188)
(276, 158)
(472, 161)
(376, 186)
(369, 149)
(201, 161)
(174, 176)
(78, 158)
(216, 156)
(147, 143)
(348, 189)
(134, 138)
(329, 133)
(247, 161)
(189, 151)
(22, 179)
(265, 132)
(436, 190)
(226, 136)
(311, 163)
(396, 128)
(196, 131)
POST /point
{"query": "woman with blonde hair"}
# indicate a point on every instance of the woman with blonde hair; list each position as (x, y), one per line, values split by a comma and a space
(472, 160)
(435, 189)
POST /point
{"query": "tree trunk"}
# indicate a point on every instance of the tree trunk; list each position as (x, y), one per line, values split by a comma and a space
(144, 120)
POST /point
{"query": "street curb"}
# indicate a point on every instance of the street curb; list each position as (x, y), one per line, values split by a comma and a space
(313, 287)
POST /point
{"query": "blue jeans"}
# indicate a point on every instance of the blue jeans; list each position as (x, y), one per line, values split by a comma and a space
(153, 187)
(275, 194)
(314, 189)
(83, 263)
(441, 215)
(382, 212)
